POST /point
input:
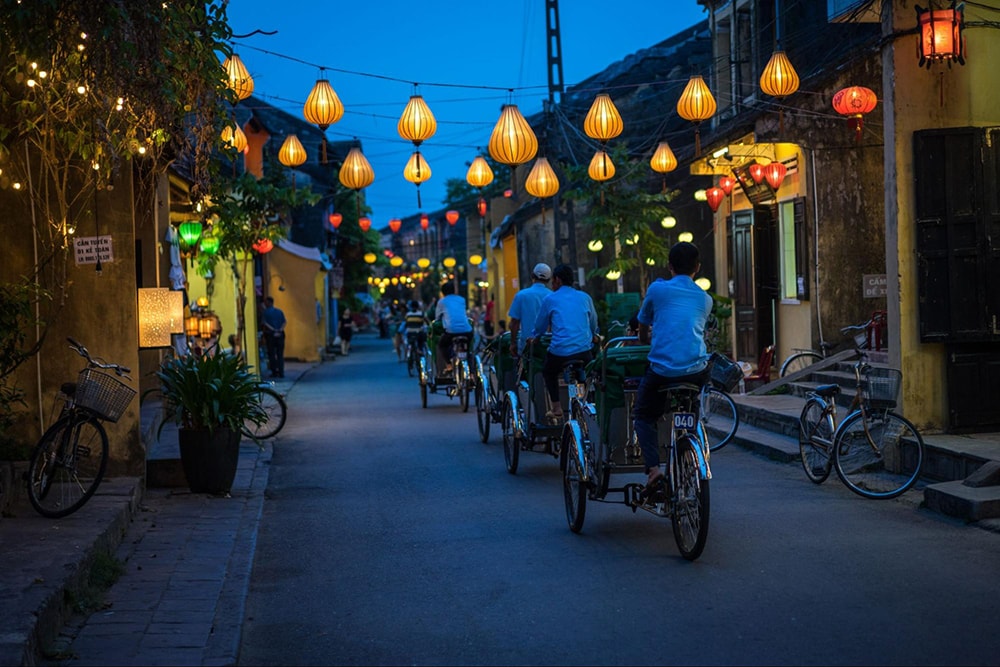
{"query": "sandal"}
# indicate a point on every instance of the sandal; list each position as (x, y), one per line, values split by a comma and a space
(653, 489)
(554, 418)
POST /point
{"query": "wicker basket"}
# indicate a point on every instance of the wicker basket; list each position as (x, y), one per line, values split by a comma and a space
(103, 394)
(881, 388)
(726, 373)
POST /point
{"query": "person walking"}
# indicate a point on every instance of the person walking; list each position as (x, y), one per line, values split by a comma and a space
(525, 306)
(346, 331)
(273, 320)
(570, 315)
(672, 322)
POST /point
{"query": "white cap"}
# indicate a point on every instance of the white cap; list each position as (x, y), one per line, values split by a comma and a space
(542, 271)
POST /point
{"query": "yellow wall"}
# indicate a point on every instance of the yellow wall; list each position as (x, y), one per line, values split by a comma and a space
(304, 284)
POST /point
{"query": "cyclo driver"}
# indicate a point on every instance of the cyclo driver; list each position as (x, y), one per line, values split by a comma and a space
(452, 314)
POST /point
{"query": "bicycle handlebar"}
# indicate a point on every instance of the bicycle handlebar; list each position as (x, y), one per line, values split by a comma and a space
(96, 362)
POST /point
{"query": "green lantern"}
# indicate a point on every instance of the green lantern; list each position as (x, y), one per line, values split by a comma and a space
(209, 244)
(190, 232)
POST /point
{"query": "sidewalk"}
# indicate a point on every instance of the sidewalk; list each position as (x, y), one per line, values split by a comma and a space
(180, 598)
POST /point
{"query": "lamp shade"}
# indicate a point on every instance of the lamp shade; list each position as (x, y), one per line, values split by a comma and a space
(480, 174)
(775, 174)
(475, 259)
(853, 103)
(449, 262)
(370, 257)
(452, 217)
(263, 246)
(189, 232)
(395, 224)
(779, 78)
(417, 123)
(292, 153)
(161, 313)
(714, 197)
(696, 102)
(396, 261)
(542, 181)
(238, 79)
(423, 262)
(336, 219)
(425, 222)
(668, 222)
(365, 223)
(191, 325)
(603, 122)
(685, 237)
(234, 137)
(941, 37)
(512, 142)
(727, 183)
(595, 245)
(663, 160)
(756, 172)
(356, 173)
(601, 167)
(323, 107)
(209, 244)
(416, 170)
(481, 207)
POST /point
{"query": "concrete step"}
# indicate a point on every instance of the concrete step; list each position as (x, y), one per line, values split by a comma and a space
(975, 498)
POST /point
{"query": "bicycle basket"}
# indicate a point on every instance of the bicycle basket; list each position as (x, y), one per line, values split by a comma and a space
(725, 372)
(103, 394)
(881, 388)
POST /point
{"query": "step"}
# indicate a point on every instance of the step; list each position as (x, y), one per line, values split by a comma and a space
(761, 441)
(975, 498)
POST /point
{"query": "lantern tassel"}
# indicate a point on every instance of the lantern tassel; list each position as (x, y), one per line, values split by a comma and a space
(697, 141)
(322, 159)
(602, 196)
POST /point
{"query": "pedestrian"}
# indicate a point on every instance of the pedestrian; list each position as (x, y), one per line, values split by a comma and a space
(346, 331)
(672, 322)
(273, 321)
(451, 311)
(525, 306)
(570, 315)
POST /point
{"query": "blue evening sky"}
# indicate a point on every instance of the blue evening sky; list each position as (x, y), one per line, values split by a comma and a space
(464, 56)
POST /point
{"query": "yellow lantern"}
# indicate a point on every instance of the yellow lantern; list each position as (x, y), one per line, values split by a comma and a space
(423, 262)
(595, 245)
(613, 274)
(480, 174)
(601, 167)
(292, 153)
(668, 222)
(779, 78)
(323, 108)
(356, 173)
(685, 237)
(704, 283)
(238, 79)
(417, 123)
(449, 262)
(396, 261)
(663, 162)
(417, 171)
(370, 257)
(542, 181)
(512, 142)
(234, 137)
(603, 122)
(475, 259)
(696, 104)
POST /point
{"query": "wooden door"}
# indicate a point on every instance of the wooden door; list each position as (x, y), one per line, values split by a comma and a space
(744, 301)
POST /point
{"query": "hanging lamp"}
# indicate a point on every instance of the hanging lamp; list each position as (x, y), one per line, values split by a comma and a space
(601, 169)
(263, 246)
(940, 32)
(417, 124)
(663, 162)
(696, 104)
(756, 170)
(726, 183)
(238, 79)
(356, 174)
(425, 222)
(542, 182)
(365, 223)
(714, 197)
(853, 103)
(335, 219)
(512, 142)
(323, 108)
(479, 174)
(234, 137)
(779, 80)
(775, 174)
(395, 224)
(417, 171)
(189, 232)
(603, 122)
(452, 217)
(292, 154)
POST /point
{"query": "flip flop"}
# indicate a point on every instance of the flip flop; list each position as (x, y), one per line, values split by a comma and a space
(553, 418)
(653, 489)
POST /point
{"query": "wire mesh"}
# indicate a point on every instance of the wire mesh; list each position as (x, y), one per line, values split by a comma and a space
(103, 394)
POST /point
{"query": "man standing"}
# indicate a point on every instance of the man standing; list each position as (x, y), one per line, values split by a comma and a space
(676, 309)
(452, 313)
(569, 313)
(525, 307)
(274, 336)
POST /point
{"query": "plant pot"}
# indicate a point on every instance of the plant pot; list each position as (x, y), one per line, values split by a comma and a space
(209, 460)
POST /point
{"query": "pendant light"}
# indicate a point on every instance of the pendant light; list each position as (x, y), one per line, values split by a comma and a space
(263, 246)
(940, 32)
(714, 197)
(417, 124)
(365, 223)
(512, 142)
(853, 103)
(756, 170)
(542, 182)
(452, 217)
(479, 175)
(238, 79)
(335, 219)
(323, 108)
(417, 171)
(779, 79)
(425, 222)
(234, 137)
(663, 162)
(292, 154)
(775, 174)
(603, 122)
(696, 104)
(356, 173)
(726, 183)
(395, 224)
(601, 169)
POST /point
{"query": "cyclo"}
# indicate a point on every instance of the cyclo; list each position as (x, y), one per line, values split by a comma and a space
(458, 381)
(495, 371)
(599, 441)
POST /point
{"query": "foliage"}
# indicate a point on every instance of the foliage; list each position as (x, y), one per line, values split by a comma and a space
(717, 330)
(209, 391)
(17, 320)
(619, 211)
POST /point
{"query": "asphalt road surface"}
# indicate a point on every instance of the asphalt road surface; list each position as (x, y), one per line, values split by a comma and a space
(392, 535)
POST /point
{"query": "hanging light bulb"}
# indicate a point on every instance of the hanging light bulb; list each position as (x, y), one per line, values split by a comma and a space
(238, 79)
(603, 122)
(696, 104)
(323, 108)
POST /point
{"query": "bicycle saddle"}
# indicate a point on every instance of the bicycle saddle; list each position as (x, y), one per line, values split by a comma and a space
(827, 390)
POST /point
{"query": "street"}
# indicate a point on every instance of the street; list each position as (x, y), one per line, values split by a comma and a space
(392, 535)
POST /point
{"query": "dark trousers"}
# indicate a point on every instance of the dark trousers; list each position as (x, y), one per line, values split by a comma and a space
(444, 353)
(276, 353)
(553, 367)
(648, 409)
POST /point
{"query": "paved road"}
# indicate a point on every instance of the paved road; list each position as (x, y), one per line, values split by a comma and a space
(391, 535)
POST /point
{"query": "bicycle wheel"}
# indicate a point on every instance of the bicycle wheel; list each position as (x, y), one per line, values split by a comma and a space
(276, 410)
(815, 441)
(796, 362)
(574, 489)
(718, 415)
(883, 463)
(482, 412)
(462, 380)
(67, 465)
(411, 360)
(511, 443)
(691, 501)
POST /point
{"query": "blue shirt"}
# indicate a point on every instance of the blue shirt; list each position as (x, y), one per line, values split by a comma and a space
(274, 319)
(676, 309)
(451, 311)
(571, 316)
(524, 308)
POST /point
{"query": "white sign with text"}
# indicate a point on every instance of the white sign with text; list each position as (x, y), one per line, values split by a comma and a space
(89, 248)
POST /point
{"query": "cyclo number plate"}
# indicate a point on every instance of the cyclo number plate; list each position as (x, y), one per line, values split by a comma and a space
(684, 421)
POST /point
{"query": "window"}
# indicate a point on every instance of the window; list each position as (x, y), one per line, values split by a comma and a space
(792, 250)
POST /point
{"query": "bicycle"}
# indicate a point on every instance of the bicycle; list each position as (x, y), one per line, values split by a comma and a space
(71, 457)
(862, 336)
(274, 406)
(717, 409)
(876, 452)
(414, 351)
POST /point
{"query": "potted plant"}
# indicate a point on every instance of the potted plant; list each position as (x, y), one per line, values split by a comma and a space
(209, 397)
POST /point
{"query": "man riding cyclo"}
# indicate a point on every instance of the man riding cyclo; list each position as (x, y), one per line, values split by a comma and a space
(672, 321)
(569, 314)
(454, 320)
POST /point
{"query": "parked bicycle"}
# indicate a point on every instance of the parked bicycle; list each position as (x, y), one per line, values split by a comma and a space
(877, 453)
(71, 457)
(864, 336)
(274, 406)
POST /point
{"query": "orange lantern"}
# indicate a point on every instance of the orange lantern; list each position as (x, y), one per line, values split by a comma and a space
(451, 217)
(601, 167)
(292, 153)
(234, 137)
(727, 183)
(756, 172)
(775, 174)
(696, 104)
(663, 162)
(425, 222)
(603, 122)
(512, 142)
(481, 207)
(395, 224)
(238, 79)
(853, 103)
(941, 38)
(263, 246)
(365, 223)
(417, 124)
(480, 174)
(714, 197)
(336, 219)
(323, 108)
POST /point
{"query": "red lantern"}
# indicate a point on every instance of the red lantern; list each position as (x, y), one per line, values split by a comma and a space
(508, 193)
(336, 219)
(727, 183)
(714, 196)
(451, 217)
(365, 223)
(263, 246)
(481, 207)
(395, 224)
(941, 37)
(854, 103)
(756, 172)
(775, 174)
(424, 221)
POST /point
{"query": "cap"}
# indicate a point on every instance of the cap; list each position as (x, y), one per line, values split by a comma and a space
(542, 272)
